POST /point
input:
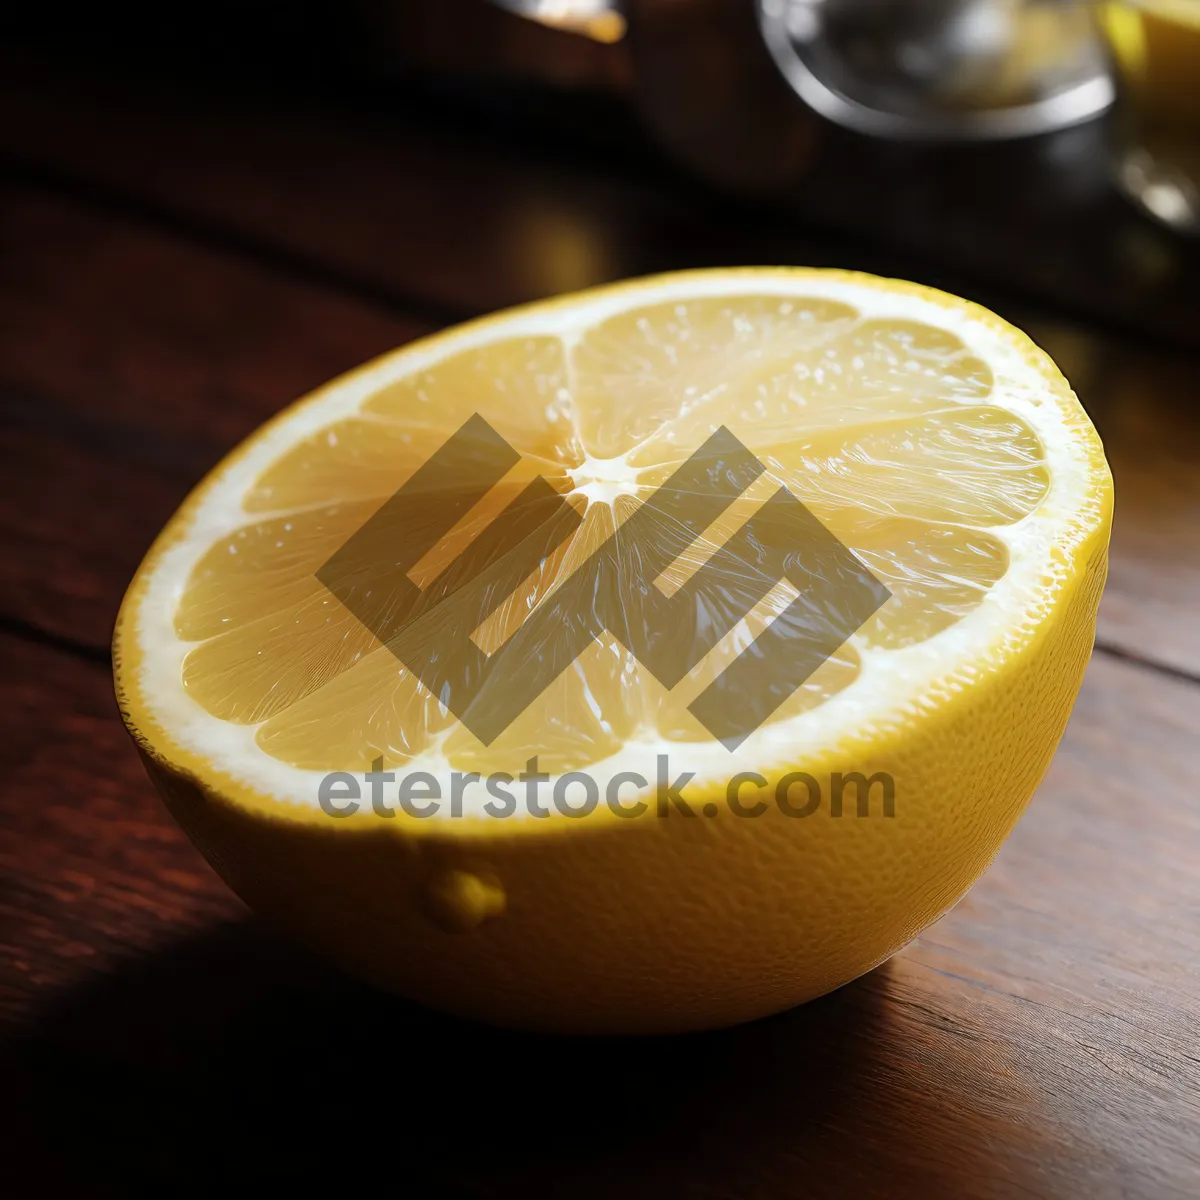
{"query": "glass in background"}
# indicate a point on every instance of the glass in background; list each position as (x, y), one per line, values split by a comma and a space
(1156, 51)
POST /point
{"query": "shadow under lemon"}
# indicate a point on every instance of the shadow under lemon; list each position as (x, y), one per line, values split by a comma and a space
(233, 1060)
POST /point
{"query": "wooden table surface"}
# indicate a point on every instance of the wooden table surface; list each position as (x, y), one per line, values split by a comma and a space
(175, 265)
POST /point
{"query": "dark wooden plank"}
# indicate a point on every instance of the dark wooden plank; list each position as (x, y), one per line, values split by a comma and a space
(1038, 1041)
(390, 205)
(523, 199)
(130, 361)
(74, 525)
(139, 328)
(1144, 405)
(93, 867)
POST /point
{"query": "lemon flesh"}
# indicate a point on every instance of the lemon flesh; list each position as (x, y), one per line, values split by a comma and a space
(932, 439)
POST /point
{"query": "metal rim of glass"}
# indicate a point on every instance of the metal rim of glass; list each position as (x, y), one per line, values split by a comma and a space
(1082, 101)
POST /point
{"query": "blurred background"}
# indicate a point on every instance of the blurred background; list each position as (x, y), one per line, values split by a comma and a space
(971, 137)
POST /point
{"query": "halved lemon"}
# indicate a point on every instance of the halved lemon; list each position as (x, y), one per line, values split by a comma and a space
(933, 439)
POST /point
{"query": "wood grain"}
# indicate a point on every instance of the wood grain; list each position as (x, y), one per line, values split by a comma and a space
(74, 526)
(394, 208)
(118, 323)
(540, 197)
(1038, 1041)
(1144, 406)
(93, 867)
(130, 362)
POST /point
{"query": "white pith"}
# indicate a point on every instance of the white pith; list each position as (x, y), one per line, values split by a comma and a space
(890, 683)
